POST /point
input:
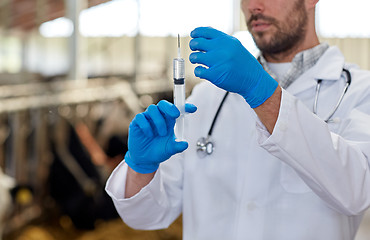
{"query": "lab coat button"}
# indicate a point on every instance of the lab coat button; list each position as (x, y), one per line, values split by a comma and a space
(251, 206)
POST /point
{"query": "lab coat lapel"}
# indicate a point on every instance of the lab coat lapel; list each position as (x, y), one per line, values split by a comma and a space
(328, 67)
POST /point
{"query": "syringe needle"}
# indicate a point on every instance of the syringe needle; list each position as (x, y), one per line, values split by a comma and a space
(178, 46)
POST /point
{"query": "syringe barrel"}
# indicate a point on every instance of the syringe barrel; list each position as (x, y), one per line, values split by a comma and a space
(179, 97)
(179, 101)
(178, 69)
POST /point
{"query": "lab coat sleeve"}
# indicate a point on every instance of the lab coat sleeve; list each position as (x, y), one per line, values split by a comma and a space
(335, 168)
(156, 206)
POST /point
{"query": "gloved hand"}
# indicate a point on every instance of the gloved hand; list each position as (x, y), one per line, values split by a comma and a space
(151, 138)
(230, 66)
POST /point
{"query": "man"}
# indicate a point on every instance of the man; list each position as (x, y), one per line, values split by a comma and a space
(277, 170)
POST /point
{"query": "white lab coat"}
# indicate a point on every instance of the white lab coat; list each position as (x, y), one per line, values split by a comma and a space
(307, 180)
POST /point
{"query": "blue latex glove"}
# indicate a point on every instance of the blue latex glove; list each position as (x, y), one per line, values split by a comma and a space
(151, 138)
(230, 66)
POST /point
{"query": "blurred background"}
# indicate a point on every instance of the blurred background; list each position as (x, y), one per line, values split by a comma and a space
(73, 73)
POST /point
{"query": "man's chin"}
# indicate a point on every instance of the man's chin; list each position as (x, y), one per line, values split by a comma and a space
(261, 40)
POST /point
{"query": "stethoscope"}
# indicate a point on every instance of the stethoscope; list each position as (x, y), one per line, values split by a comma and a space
(205, 145)
(348, 82)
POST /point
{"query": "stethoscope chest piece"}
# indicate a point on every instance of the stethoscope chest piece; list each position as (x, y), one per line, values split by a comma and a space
(204, 147)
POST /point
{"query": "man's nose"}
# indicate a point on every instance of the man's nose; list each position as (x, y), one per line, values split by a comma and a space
(254, 6)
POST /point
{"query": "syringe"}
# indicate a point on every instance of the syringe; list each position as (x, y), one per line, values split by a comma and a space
(179, 91)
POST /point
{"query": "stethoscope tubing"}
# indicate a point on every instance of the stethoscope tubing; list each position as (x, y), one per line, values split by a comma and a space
(318, 86)
(216, 115)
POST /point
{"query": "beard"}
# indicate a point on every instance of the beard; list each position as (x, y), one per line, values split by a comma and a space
(288, 34)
